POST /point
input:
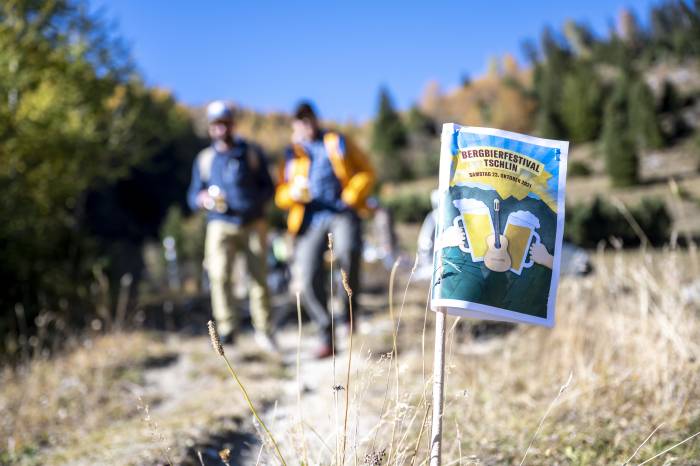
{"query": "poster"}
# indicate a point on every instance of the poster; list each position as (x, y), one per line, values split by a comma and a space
(500, 225)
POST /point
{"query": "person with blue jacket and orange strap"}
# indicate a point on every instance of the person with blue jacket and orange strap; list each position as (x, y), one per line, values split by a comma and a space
(324, 184)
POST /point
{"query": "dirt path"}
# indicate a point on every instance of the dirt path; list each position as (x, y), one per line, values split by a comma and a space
(200, 407)
(183, 405)
(177, 400)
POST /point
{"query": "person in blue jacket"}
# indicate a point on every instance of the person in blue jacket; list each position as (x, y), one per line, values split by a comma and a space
(230, 180)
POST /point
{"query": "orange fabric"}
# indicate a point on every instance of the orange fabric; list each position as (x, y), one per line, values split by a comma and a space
(351, 167)
(359, 185)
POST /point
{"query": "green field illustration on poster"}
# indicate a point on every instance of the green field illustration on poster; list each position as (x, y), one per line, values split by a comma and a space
(500, 225)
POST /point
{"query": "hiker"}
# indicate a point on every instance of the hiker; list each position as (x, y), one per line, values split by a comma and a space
(230, 180)
(323, 183)
(426, 240)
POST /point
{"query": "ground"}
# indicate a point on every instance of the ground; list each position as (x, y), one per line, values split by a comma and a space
(626, 336)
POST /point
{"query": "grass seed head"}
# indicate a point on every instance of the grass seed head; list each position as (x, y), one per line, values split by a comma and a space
(346, 285)
(215, 340)
(375, 458)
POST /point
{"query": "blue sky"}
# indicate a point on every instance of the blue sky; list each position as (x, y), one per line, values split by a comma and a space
(267, 55)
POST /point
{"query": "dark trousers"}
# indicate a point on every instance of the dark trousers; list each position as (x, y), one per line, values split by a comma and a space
(311, 275)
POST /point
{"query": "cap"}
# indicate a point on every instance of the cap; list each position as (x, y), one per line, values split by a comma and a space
(219, 110)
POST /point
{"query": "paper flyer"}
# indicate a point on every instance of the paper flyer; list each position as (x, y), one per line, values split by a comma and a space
(500, 225)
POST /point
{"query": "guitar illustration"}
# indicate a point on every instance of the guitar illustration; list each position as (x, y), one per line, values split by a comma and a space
(497, 258)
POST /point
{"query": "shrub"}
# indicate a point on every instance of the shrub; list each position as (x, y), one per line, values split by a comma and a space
(588, 224)
(578, 168)
(408, 208)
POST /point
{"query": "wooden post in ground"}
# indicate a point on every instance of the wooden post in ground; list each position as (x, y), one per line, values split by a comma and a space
(438, 388)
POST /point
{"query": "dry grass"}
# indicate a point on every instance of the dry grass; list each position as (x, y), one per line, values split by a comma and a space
(632, 343)
(219, 348)
(88, 407)
(63, 399)
(626, 332)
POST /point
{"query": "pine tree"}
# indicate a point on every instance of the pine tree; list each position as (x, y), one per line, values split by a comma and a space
(620, 151)
(419, 122)
(670, 104)
(644, 127)
(629, 29)
(424, 152)
(389, 138)
(582, 103)
(548, 85)
(671, 100)
(580, 38)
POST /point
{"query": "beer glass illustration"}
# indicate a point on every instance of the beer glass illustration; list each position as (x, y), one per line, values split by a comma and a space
(475, 219)
(520, 231)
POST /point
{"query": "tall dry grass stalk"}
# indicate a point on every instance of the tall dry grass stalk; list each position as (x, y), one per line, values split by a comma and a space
(395, 348)
(423, 423)
(348, 291)
(333, 360)
(156, 434)
(219, 348)
(642, 444)
(546, 413)
(299, 383)
(395, 332)
(658, 455)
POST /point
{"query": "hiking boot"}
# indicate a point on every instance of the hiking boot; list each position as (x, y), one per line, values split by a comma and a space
(266, 342)
(228, 339)
(323, 351)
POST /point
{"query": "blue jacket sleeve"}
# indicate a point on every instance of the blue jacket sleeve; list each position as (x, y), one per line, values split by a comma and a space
(196, 185)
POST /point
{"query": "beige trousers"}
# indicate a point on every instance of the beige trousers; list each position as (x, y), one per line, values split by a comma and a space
(223, 241)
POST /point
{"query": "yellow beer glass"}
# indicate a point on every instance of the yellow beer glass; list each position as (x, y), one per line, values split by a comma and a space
(475, 219)
(520, 231)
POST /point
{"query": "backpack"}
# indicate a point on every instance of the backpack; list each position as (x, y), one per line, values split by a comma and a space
(205, 159)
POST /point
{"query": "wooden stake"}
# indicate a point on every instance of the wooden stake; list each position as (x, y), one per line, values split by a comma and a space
(438, 388)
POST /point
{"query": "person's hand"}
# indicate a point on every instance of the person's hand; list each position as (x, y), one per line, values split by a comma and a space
(204, 200)
(540, 255)
(299, 190)
(450, 237)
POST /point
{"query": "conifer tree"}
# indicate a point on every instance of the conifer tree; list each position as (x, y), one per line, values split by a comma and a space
(620, 151)
(644, 126)
(389, 138)
(548, 85)
(582, 103)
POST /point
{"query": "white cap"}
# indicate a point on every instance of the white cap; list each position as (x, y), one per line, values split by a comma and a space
(219, 110)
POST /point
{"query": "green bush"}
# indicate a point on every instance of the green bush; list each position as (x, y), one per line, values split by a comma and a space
(188, 233)
(588, 224)
(408, 208)
(654, 219)
(578, 168)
